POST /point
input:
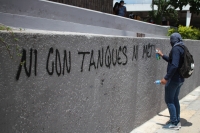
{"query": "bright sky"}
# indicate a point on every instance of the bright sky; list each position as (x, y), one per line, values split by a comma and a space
(135, 1)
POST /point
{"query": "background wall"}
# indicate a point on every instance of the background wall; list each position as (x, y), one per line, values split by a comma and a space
(98, 5)
(29, 22)
(104, 86)
(47, 15)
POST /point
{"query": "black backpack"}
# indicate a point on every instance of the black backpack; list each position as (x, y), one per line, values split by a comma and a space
(187, 68)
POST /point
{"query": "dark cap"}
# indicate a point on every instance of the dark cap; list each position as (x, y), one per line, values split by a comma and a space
(122, 1)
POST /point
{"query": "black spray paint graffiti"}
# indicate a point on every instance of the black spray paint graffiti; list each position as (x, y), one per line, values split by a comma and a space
(24, 63)
(147, 50)
(135, 52)
(59, 68)
(109, 57)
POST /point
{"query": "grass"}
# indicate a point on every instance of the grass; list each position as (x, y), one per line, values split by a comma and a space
(3, 27)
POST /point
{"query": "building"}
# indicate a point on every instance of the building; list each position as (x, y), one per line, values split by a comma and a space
(139, 7)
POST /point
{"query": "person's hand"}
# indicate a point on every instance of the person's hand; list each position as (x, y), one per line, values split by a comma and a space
(160, 52)
(163, 81)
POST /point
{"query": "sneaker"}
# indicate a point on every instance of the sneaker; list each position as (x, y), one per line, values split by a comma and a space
(179, 125)
(171, 126)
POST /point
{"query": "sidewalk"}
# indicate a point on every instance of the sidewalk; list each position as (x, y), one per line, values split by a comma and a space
(190, 117)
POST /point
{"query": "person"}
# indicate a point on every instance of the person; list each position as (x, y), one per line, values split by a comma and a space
(173, 80)
(131, 15)
(151, 20)
(164, 21)
(122, 9)
(116, 8)
(137, 17)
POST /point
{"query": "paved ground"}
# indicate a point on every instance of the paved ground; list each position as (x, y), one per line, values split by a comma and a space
(190, 117)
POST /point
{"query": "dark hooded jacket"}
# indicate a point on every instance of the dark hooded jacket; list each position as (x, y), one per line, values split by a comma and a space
(175, 59)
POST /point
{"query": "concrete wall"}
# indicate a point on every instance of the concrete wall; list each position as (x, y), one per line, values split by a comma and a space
(29, 22)
(113, 93)
(63, 12)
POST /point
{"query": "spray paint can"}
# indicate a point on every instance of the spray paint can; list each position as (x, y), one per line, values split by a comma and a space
(157, 82)
(157, 55)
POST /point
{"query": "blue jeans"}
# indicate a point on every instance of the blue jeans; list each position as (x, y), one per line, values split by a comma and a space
(172, 90)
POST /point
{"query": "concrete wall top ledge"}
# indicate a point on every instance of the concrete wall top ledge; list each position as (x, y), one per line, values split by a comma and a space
(44, 32)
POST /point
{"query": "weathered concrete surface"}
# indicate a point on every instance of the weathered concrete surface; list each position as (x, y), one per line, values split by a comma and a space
(113, 98)
(67, 13)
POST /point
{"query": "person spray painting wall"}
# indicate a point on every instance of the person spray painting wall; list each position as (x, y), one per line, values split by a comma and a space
(173, 80)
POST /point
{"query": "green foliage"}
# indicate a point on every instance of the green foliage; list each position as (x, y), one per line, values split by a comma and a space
(7, 45)
(194, 5)
(164, 10)
(3, 27)
(186, 32)
(171, 31)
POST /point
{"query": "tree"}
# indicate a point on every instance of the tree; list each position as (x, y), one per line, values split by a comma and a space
(165, 9)
(194, 5)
